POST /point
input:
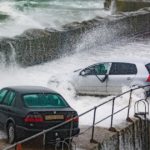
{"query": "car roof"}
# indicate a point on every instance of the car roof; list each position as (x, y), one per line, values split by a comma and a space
(134, 61)
(30, 89)
(124, 61)
(128, 60)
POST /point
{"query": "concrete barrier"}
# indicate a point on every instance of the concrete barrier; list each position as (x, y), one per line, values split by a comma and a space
(127, 5)
(129, 136)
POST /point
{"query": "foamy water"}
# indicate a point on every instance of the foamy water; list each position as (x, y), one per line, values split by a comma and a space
(57, 75)
(26, 14)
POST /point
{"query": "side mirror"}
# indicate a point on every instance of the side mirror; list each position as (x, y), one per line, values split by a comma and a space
(82, 73)
(86, 71)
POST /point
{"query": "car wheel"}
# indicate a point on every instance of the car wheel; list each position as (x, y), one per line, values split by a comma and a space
(11, 133)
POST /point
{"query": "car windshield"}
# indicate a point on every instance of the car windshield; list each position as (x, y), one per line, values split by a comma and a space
(44, 100)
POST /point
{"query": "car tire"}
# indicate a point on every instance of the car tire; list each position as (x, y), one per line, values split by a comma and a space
(11, 133)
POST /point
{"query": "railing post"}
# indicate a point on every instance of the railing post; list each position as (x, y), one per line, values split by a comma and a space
(71, 129)
(44, 140)
(93, 127)
(146, 132)
(128, 113)
(112, 117)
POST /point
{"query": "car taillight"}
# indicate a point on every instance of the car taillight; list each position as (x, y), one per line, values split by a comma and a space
(148, 79)
(76, 119)
(33, 118)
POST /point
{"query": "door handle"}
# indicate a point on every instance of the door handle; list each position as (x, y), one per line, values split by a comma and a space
(128, 78)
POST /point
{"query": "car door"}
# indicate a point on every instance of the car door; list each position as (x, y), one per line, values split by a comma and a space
(92, 80)
(7, 107)
(121, 74)
(3, 93)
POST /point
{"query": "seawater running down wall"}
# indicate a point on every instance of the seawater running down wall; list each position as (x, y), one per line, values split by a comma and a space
(129, 136)
(36, 46)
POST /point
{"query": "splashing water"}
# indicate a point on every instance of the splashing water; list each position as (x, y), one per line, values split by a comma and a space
(23, 15)
(57, 74)
(113, 7)
(2, 60)
(12, 57)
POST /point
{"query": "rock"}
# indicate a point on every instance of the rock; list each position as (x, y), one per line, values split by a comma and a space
(3, 16)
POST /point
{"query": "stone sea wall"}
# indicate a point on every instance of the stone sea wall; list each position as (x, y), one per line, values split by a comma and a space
(129, 137)
(37, 46)
(127, 5)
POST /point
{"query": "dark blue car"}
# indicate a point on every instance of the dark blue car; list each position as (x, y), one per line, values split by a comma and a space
(26, 110)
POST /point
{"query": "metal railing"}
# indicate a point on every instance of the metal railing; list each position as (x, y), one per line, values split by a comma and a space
(94, 118)
(142, 114)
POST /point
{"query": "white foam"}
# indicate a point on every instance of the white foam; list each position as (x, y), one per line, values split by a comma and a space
(58, 74)
(47, 14)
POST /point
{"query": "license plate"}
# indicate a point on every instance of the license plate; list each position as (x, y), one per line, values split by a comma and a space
(54, 117)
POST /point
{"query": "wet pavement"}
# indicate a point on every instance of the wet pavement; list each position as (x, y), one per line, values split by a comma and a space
(82, 142)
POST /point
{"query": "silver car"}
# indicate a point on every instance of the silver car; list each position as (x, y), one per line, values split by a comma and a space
(108, 78)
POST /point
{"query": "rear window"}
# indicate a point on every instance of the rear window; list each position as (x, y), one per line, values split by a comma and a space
(123, 69)
(2, 94)
(148, 67)
(10, 97)
(44, 101)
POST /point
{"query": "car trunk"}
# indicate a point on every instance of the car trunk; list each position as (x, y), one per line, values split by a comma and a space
(46, 119)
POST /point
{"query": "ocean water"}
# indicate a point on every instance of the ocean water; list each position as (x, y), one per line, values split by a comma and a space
(18, 15)
(57, 75)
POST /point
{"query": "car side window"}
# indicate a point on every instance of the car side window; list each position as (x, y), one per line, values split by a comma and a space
(123, 69)
(2, 94)
(101, 69)
(8, 100)
(98, 69)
